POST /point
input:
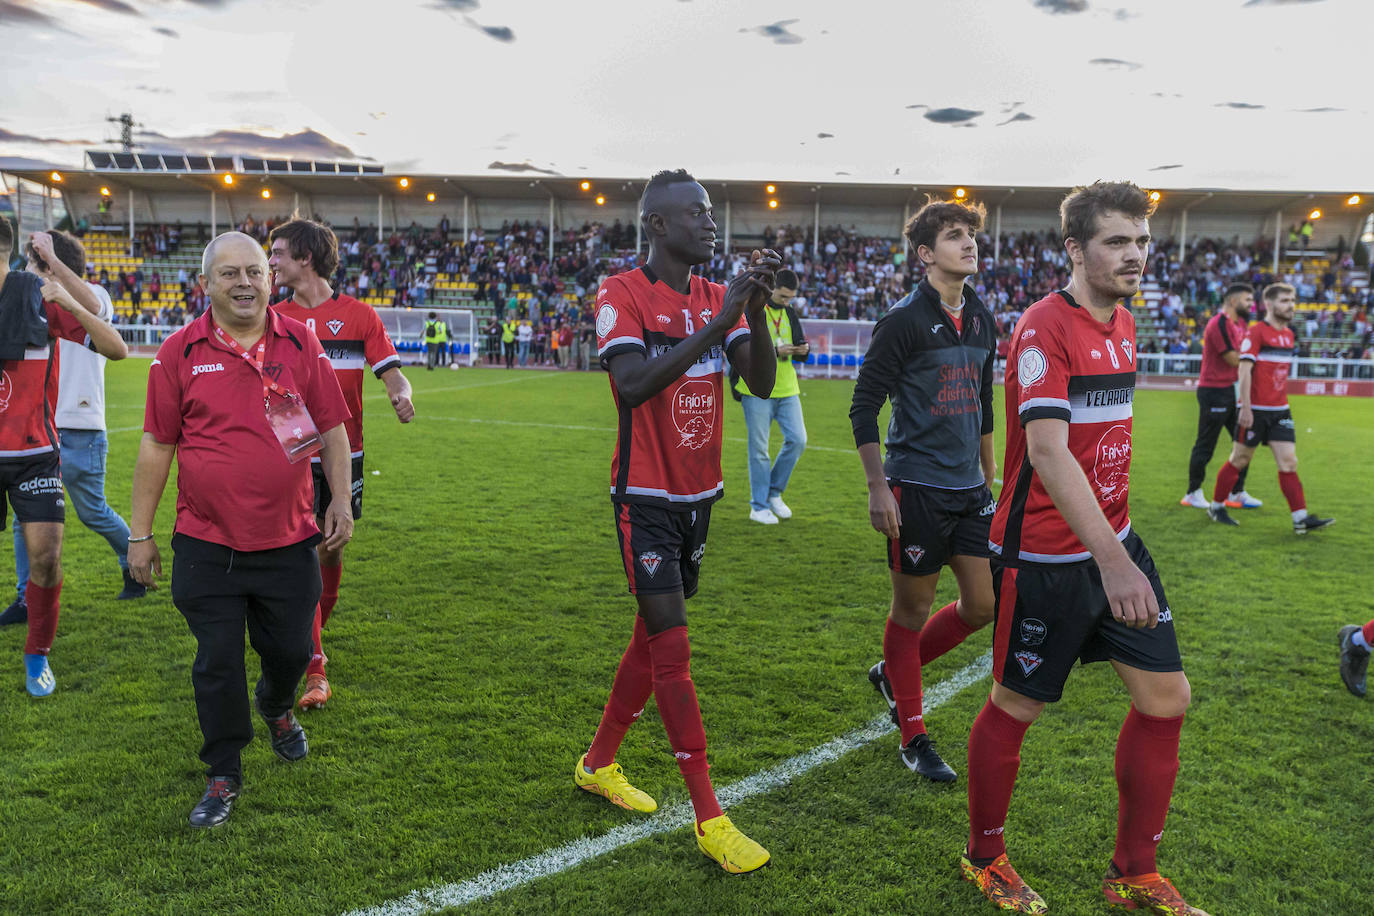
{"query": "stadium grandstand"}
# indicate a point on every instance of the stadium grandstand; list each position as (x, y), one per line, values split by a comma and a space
(493, 247)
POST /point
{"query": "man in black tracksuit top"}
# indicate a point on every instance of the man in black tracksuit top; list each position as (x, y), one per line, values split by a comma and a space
(932, 354)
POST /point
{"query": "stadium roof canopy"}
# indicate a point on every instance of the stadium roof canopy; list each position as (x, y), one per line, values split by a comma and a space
(177, 174)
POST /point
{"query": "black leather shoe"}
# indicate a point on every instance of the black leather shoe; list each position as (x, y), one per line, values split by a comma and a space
(920, 755)
(288, 738)
(131, 589)
(218, 800)
(18, 612)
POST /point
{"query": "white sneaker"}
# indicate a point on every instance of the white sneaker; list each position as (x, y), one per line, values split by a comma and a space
(1242, 500)
(763, 516)
(1194, 499)
(779, 507)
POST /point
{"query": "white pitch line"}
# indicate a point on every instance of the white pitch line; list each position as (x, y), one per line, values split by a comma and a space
(584, 849)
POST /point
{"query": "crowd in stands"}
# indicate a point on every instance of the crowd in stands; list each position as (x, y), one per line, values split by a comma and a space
(849, 275)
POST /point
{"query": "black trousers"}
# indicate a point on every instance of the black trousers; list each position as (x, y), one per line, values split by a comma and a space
(1216, 411)
(220, 592)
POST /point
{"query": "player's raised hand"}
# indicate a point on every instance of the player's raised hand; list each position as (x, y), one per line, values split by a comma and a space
(53, 291)
(883, 513)
(1129, 594)
(42, 246)
(763, 267)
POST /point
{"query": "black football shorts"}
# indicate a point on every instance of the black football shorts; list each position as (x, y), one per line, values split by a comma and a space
(1270, 426)
(323, 496)
(34, 487)
(938, 524)
(1051, 615)
(661, 548)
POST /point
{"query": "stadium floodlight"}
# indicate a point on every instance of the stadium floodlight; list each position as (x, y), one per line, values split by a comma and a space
(586, 185)
(1155, 196)
(1353, 200)
(772, 205)
(405, 182)
(772, 189)
(229, 179)
(1315, 214)
(104, 192)
(430, 197)
(56, 176)
(266, 193)
(600, 200)
(960, 193)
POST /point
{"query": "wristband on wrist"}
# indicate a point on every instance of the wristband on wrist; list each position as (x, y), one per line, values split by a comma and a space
(146, 537)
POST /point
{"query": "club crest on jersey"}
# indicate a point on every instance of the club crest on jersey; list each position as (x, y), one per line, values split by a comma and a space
(705, 314)
(335, 325)
(1112, 464)
(694, 412)
(7, 390)
(914, 552)
(1031, 367)
(605, 320)
(1095, 353)
(1126, 347)
(1033, 631)
(1028, 661)
(650, 561)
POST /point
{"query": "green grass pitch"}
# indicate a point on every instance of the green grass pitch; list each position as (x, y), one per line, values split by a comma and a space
(483, 611)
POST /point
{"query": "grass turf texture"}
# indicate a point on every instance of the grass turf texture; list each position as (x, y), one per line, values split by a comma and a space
(483, 611)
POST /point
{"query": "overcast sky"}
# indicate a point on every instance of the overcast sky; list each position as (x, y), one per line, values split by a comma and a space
(1254, 94)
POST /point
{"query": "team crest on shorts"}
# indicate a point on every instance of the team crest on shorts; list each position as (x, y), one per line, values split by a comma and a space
(335, 325)
(698, 554)
(1028, 661)
(650, 561)
(914, 553)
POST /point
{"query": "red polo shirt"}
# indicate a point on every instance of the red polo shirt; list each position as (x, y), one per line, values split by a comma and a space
(234, 484)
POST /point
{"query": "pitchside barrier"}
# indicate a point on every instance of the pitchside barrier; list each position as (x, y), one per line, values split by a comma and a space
(838, 348)
(406, 328)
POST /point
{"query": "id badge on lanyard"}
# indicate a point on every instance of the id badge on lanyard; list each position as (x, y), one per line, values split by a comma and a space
(290, 420)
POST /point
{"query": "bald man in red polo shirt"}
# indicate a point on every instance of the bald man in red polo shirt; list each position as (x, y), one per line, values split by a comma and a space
(242, 397)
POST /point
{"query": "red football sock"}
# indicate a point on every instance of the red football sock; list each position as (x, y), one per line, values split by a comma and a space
(902, 655)
(634, 681)
(1292, 490)
(943, 632)
(329, 597)
(1226, 482)
(1368, 631)
(994, 756)
(671, 656)
(42, 604)
(1146, 765)
(317, 657)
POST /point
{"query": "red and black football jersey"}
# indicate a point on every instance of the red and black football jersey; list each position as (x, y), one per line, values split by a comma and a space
(668, 448)
(1221, 336)
(1270, 351)
(28, 386)
(1064, 364)
(354, 340)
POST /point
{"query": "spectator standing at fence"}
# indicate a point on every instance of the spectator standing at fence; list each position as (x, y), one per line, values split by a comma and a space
(435, 337)
(239, 397)
(509, 331)
(80, 421)
(303, 253)
(35, 311)
(524, 337)
(1216, 394)
(783, 405)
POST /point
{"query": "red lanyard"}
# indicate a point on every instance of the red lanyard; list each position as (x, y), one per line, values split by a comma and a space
(256, 360)
(777, 325)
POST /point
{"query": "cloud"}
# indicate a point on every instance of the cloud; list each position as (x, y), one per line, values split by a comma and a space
(1019, 116)
(17, 14)
(1115, 63)
(170, 33)
(951, 115)
(824, 136)
(1061, 6)
(9, 136)
(1242, 106)
(306, 144)
(114, 6)
(519, 167)
(1323, 110)
(778, 32)
(1165, 168)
